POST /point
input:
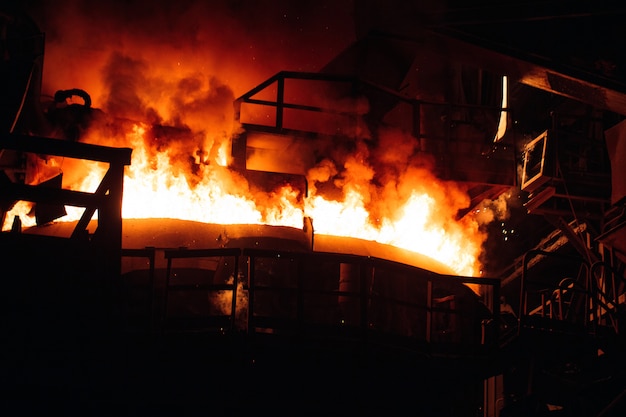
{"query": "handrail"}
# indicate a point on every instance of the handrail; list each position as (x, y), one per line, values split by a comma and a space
(281, 104)
(285, 290)
(149, 253)
(184, 253)
(70, 149)
(278, 109)
(107, 199)
(313, 76)
(591, 301)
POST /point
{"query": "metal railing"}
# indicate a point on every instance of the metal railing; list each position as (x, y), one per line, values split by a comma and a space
(277, 103)
(568, 303)
(326, 297)
(315, 105)
(106, 200)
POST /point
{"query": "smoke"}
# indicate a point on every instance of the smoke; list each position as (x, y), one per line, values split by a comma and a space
(386, 172)
(491, 210)
(241, 43)
(177, 67)
(181, 64)
(122, 77)
(191, 116)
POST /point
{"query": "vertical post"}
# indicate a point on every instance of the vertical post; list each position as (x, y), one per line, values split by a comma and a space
(280, 101)
(493, 396)
(364, 297)
(491, 298)
(106, 250)
(301, 270)
(349, 283)
(166, 293)
(495, 302)
(429, 307)
(152, 283)
(233, 307)
(239, 147)
(251, 284)
(110, 221)
(237, 110)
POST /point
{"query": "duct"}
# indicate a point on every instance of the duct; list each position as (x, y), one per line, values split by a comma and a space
(517, 52)
(541, 75)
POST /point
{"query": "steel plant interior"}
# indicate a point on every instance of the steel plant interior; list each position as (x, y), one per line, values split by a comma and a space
(165, 316)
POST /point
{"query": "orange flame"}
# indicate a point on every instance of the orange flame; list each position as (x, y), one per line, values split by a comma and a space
(423, 222)
(401, 204)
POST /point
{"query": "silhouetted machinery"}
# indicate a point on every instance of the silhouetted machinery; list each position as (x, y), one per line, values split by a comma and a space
(84, 294)
(158, 312)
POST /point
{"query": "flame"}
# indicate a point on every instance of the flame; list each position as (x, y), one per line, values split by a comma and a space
(153, 189)
(423, 222)
(382, 194)
(186, 176)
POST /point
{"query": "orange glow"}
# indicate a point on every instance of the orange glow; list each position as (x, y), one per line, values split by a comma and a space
(422, 222)
(173, 106)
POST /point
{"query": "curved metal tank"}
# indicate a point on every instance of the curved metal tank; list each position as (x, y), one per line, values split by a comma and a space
(179, 275)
